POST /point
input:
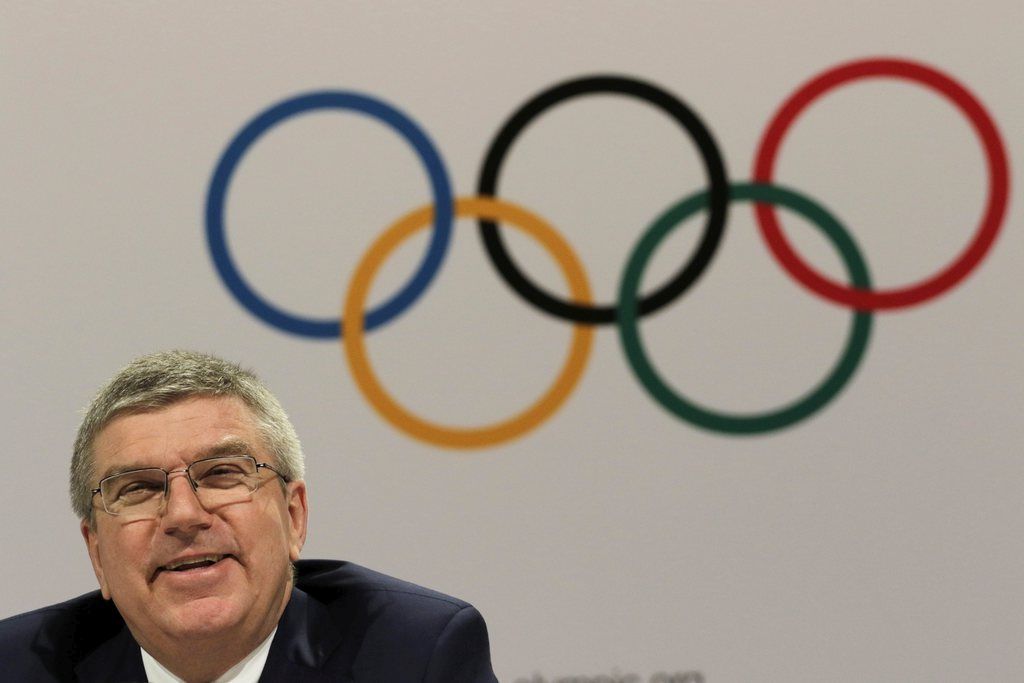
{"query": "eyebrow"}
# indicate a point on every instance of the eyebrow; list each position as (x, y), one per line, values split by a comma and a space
(229, 446)
(232, 445)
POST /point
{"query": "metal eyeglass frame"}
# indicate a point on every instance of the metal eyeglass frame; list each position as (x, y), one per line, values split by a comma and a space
(188, 475)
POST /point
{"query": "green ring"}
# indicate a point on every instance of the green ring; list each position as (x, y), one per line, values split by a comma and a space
(804, 406)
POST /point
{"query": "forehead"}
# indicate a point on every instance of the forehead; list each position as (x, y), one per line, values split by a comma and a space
(176, 434)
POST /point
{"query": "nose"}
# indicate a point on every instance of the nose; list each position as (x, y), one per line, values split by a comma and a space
(182, 509)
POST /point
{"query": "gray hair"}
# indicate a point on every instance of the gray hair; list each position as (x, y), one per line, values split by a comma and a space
(160, 379)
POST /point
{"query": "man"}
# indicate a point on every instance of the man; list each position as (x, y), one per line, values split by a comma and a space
(187, 477)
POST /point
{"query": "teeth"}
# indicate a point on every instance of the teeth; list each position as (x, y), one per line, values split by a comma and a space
(195, 561)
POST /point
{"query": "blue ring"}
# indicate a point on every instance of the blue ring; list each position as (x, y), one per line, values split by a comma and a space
(328, 99)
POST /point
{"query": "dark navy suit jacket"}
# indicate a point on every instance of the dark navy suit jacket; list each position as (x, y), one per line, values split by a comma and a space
(343, 623)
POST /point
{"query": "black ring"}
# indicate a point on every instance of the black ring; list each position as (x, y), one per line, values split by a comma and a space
(718, 192)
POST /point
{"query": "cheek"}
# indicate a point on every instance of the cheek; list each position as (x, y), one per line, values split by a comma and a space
(263, 535)
(125, 555)
(130, 546)
(252, 525)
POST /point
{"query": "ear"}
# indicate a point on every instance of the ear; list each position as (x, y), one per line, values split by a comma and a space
(298, 512)
(92, 543)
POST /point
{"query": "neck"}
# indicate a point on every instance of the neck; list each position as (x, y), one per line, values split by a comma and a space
(250, 665)
(201, 667)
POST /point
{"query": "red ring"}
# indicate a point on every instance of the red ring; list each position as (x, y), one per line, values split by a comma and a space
(995, 208)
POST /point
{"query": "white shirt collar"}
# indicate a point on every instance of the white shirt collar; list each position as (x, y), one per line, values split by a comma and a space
(246, 671)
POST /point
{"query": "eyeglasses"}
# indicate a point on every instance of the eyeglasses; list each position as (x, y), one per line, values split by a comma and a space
(142, 493)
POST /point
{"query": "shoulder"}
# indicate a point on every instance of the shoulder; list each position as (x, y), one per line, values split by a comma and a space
(366, 599)
(330, 581)
(50, 641)
(435, 635)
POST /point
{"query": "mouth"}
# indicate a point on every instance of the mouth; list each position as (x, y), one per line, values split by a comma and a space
(195, 563)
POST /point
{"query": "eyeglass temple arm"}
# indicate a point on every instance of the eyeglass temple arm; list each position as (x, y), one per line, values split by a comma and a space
(271, 468)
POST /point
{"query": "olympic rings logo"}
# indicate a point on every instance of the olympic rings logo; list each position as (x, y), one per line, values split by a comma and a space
(858, 295)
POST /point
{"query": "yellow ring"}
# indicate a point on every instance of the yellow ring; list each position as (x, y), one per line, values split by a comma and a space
(465, 437)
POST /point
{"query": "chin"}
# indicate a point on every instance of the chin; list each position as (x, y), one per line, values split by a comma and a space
(204, 617)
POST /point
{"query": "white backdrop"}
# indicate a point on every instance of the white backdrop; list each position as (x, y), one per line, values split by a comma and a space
(880, 539)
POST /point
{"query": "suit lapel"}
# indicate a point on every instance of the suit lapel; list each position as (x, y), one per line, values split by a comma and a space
(306, 638)
(117, 660)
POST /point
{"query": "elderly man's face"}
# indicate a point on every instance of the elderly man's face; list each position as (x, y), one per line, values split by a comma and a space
(241, 595)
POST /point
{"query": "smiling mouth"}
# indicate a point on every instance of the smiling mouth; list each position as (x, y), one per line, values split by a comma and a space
(192, 563)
